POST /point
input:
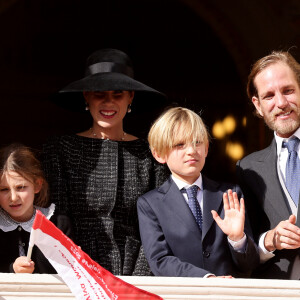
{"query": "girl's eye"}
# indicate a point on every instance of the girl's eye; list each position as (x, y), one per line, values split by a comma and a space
(3, 189)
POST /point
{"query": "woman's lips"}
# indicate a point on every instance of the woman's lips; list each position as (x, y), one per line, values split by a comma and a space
(108, 114)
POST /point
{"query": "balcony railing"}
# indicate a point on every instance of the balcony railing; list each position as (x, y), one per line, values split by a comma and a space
(45, 287)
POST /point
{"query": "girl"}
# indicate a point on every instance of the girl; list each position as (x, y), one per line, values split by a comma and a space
(23, 190)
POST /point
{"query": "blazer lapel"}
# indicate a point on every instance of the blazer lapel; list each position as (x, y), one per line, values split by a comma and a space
(177, 205)
(267, 168)
(212, 200)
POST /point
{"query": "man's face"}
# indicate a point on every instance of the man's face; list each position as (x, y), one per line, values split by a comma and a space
(278, 100)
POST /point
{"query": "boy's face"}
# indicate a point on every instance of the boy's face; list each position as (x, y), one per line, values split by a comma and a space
(186, 160)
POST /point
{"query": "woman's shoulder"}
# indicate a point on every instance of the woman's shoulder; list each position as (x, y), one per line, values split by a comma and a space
(60, 220)
(67, 138)
(137, 146)
(66, 143)
(70, 145)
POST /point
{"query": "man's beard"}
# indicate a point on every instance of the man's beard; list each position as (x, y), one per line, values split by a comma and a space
(283, 127)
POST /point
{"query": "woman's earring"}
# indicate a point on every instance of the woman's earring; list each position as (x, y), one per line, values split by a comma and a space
(87, 106)
(129, 108)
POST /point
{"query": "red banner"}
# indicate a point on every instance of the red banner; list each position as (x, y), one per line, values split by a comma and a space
(85, 278)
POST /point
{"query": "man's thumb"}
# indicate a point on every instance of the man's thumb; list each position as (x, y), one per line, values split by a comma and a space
(292, 219)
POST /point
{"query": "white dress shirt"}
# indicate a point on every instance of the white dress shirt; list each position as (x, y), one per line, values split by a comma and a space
(282, 156)
(237, 246)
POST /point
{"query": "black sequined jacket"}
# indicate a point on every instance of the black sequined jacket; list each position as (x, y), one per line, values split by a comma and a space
(97, 183)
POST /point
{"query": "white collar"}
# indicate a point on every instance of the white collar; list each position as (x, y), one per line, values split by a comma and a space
(8, 224)
(181, 184)
(279, 140)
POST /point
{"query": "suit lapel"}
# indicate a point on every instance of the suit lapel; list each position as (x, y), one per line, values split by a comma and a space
(176, 203)
(267, 168)
(212, 199)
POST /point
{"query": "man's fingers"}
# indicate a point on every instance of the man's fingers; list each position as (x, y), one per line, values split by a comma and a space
(286, 236)
(288, 239)
(286, 228)
(292, 219)
(289, 246)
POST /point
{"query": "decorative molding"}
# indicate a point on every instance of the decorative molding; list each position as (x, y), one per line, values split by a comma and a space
(46, 287)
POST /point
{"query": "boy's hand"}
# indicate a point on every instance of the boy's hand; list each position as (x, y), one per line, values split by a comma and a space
(22, 265)
(233, 223)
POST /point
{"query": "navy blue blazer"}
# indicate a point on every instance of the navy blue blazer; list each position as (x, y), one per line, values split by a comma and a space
(173, 243)
(267, 205)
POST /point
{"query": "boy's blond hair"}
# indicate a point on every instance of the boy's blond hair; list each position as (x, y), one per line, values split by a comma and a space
(174, 126)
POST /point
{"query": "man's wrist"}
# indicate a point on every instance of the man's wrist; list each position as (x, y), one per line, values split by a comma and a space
(269, 241)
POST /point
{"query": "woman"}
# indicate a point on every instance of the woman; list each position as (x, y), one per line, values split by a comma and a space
(96, 176)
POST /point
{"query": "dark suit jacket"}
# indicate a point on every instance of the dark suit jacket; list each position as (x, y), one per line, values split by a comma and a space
(266, 205)
(173, 243)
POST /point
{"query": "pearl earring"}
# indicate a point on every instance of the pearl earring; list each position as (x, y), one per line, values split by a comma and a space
(129, 108)
(87, 106)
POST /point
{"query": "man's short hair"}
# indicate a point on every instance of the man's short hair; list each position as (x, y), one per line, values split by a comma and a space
(263, 63)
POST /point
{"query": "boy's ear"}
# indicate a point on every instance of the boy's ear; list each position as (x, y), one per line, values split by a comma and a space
(158, 158)
(38, 185)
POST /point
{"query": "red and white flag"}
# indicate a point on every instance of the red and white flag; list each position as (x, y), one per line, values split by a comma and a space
(85, 278)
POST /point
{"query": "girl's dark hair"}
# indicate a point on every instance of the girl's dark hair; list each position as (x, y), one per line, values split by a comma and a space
(22, 160)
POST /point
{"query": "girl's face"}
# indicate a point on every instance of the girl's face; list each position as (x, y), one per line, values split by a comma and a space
(17, 196)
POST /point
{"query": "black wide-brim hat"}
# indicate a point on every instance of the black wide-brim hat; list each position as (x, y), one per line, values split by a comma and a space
(108, 70)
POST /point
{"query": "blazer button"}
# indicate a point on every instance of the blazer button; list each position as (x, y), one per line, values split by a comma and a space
(206, 254)
(19, 228)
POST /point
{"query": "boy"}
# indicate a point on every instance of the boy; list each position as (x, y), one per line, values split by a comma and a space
(178, 231)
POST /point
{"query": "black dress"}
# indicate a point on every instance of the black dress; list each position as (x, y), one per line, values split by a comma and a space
(97, 184)
(14, 238)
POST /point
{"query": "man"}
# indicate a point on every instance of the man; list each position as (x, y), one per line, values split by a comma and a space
(266, 177)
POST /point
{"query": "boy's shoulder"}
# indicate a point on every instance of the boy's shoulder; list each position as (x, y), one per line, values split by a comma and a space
(159, 191)
(222, 186)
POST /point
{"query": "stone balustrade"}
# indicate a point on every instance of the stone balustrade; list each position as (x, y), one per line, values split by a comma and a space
(46, 287)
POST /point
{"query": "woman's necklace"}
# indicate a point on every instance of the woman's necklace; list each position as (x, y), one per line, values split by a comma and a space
(103, 138)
